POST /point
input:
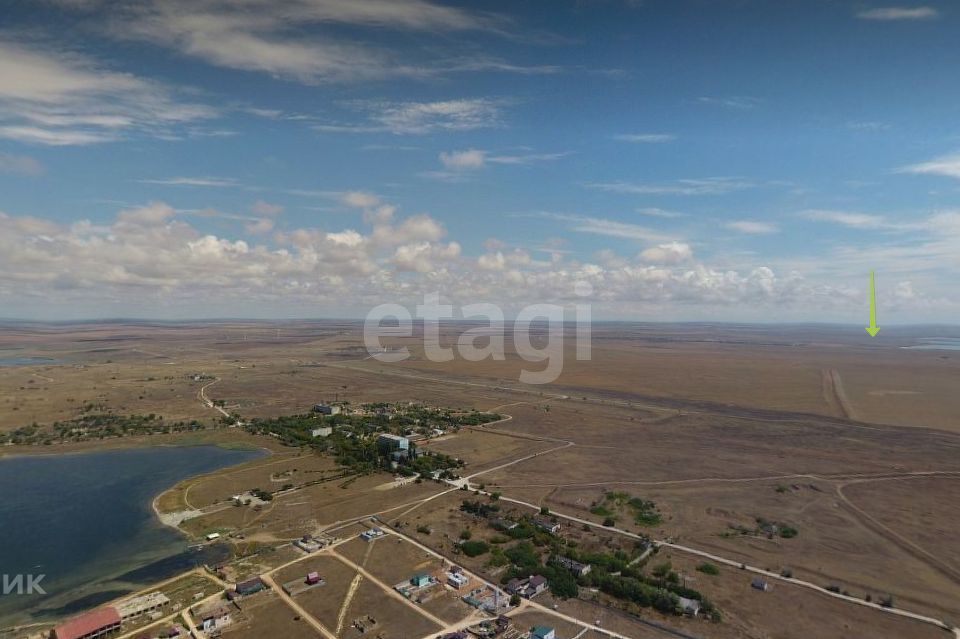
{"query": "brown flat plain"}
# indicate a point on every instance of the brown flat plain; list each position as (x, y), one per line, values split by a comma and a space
(783, 612)
(707, 421)
(776, 368)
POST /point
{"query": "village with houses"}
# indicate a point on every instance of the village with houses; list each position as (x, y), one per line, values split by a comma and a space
(482, 583)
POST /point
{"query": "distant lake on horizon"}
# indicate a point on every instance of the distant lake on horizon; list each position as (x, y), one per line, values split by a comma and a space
(937, 344)
(86, 522)
(27, 361)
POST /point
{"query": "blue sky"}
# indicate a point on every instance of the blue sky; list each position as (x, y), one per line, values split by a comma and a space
(747, 161)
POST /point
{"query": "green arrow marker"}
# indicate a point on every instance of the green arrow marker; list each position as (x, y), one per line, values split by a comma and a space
(873, 329)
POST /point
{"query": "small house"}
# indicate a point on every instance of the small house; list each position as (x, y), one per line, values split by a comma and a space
(547, 525)
(457, 579)
(760, 584)
(577, 568)
(215, 618)
(326, 409)
(543, 632)
(420, 580)
(689, 607)
(250, 586)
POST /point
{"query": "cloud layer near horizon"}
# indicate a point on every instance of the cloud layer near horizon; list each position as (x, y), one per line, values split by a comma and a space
(153, 252)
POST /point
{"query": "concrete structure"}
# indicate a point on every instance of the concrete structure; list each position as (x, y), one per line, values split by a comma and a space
(308, 544)
(99, 623)
(529, 587)
(761, 584)
(132, 608)
(388, 443)
(323, 431)
(326, 409)
(690, 607)
(420, 580)
(214, 618)
(457, 580)
(213, 536)
(546, 524)
(503, 524)
(373, 533)
(543, 632)
(575, 567)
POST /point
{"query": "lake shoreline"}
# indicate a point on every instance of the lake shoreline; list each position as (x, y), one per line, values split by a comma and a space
(160, 440)
(170, 519)
(146, 541)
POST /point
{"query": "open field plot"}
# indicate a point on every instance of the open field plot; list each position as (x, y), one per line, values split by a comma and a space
(182, 591)
(324, 603)
(311, 509)
(390, 559)
(832, 545)
(646, 624)
(726, 366)
(293, 386)
(320, 563)
(923, 510)
(45, 394)
(222, 520)
(784, 611)
(260, 558)
(267, 474)
(393, 560)
(483, 450)
(268, 370)
(394, 619)
(438, 524)
(704, 446)
(349, 596)
(268, 616)
(140, 367)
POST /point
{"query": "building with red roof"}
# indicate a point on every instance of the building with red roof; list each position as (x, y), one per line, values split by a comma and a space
(92, 625)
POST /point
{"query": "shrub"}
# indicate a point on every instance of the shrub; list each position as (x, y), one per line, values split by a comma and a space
(708, 569)
(474, 548)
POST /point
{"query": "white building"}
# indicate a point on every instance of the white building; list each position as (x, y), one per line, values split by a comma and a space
(323, 431)
(457, 579)
(214, 618)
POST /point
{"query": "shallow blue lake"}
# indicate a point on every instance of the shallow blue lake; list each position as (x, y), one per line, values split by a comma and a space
(27, 361)
(86, 522)
(937, 344)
